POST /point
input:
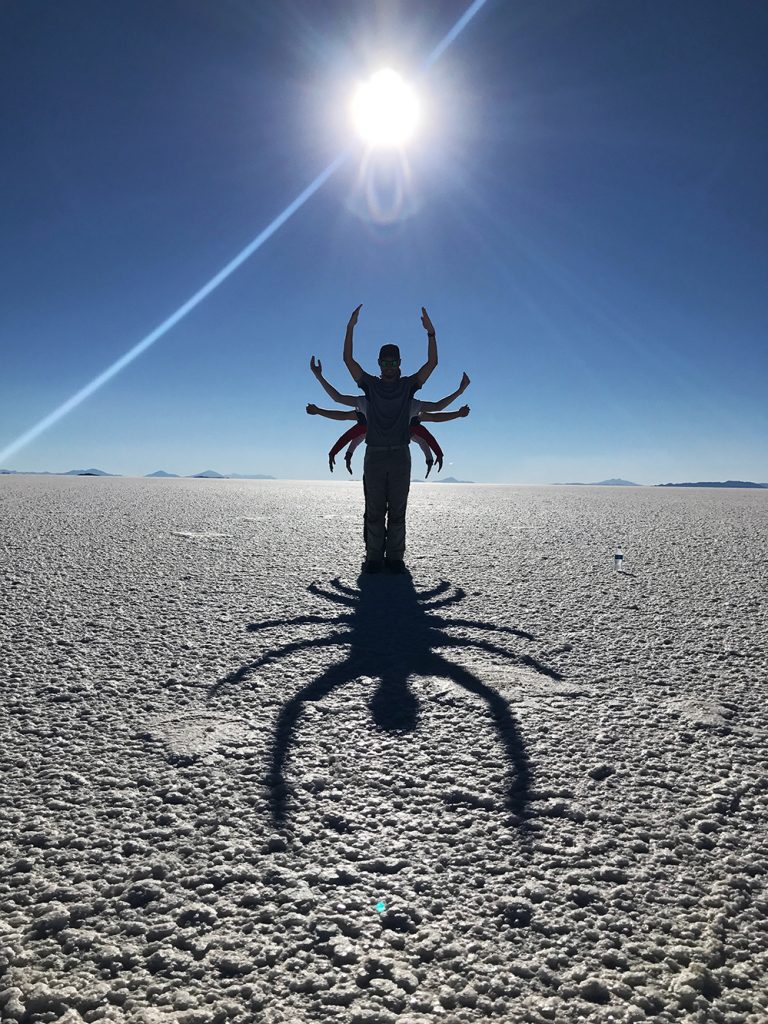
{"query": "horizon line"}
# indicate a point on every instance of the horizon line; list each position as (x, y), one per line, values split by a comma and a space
(730, 483)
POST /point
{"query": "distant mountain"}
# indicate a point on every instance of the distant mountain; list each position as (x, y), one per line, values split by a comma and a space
(613, 482)
(250, 476)
(211, 474)
(36, 472)
(720, 483)
(453, 480)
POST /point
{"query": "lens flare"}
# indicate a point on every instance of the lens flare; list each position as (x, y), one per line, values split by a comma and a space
(385, 110)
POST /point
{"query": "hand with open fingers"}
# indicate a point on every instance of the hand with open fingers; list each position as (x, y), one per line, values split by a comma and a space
(439, 463)
(429, 469)
(464, 410)
(316, 367)
(312, 409)
(428, 327)
(355, 315)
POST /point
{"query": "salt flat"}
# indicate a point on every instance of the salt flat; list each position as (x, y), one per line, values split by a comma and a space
(243, 784)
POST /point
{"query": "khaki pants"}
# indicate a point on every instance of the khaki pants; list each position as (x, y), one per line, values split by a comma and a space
(386, 482)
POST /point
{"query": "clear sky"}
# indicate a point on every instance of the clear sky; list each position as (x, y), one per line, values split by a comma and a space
(583, 212)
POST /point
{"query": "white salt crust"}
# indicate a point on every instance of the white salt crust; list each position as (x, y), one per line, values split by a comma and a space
(221, 749)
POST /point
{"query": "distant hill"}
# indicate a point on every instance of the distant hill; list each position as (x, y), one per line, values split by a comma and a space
(613, 482)
(718, 483)
(453, 480)
(250, 476)
(29, 472)
(211, 474)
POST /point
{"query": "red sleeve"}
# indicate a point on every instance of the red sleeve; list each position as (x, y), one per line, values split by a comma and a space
(422, 431)
(350, 435)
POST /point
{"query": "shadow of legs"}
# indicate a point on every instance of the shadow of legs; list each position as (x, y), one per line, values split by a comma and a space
(520, 784)
(287, 721)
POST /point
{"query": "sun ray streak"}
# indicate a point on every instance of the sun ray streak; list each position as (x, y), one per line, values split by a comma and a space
(85, 392)
(450, 36)
(120, 364)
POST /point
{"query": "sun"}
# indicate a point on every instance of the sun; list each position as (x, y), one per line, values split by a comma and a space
(385, 109)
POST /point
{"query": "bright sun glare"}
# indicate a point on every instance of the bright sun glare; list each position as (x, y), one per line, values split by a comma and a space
(385, 110)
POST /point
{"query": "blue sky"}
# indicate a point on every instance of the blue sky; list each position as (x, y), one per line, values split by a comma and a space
(584, 216)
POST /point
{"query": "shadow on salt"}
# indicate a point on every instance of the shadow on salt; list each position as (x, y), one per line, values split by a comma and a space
(392, 632)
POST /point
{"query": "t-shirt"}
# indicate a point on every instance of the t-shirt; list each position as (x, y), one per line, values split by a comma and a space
(389, 409)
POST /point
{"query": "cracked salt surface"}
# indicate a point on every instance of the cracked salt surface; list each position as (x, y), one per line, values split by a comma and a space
(243, 784)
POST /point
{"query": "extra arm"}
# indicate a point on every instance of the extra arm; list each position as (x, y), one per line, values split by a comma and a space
(317, 369)
(349, 360)
(426, 370)
(439, 406)
(443, 417)
(331, 414)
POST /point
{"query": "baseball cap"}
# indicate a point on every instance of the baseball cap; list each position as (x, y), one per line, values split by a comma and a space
(389, 352)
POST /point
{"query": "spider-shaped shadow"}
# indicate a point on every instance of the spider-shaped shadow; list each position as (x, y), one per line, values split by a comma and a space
(392, 632)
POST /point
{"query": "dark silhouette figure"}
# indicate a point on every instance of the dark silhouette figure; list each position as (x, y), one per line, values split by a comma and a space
(392, 632)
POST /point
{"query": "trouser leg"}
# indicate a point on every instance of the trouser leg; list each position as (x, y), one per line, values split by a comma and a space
(375, 482)
(365, 515)
(398, 485)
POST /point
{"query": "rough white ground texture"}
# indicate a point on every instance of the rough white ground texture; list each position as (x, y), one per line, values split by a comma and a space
(241, 783)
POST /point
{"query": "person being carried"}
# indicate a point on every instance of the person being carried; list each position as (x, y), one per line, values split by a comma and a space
(419, 433)
(419, 411)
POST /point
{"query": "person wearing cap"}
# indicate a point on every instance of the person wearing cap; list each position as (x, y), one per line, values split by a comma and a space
(387, 466)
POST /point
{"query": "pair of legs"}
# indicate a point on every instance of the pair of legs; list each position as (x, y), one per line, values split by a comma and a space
(386, 482)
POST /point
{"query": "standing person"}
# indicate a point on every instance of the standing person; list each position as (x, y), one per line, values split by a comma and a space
(387, 467)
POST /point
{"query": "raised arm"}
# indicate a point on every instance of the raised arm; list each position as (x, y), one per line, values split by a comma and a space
(431, 362)
(443, 417)
(349, 360)
(317, 369)
(439, 406)
(331, 414)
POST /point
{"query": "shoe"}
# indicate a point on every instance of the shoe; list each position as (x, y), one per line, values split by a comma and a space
(371, 565)
(396, 565)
